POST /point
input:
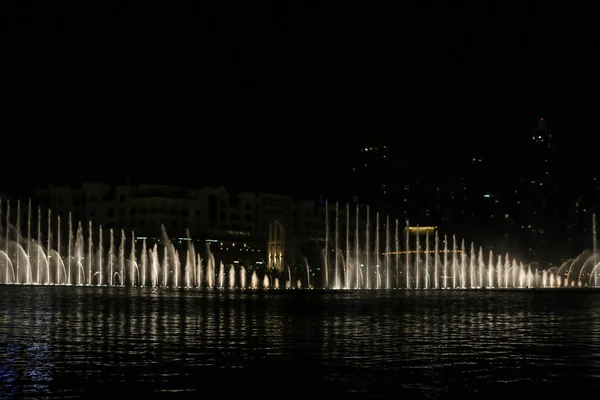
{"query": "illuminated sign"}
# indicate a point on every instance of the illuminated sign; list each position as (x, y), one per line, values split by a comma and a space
(239, 233)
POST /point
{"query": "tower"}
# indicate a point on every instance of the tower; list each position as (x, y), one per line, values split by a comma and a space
(276, 245)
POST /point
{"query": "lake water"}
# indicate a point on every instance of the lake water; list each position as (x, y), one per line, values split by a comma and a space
(97, 342)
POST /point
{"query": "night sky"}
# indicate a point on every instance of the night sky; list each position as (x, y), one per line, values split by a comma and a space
(244, 95)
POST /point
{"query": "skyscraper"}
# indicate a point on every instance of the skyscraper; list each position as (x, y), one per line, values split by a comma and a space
(541, 203)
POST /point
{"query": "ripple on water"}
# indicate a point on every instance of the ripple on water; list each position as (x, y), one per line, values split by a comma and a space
(62, 342)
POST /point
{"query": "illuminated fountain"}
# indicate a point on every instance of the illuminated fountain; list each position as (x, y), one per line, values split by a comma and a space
(371, 251)
(368, 262)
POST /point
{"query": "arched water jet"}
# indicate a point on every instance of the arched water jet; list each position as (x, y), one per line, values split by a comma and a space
(8, 264)
(593, 272)
(590, 261)
(60, 267)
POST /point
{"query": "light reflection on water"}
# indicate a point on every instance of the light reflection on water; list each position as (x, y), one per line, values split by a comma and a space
(57, 341)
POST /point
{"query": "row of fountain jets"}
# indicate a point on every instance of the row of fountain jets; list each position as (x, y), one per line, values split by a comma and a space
(347, 263)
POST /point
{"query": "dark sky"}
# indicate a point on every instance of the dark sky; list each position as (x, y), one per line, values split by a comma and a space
(247, 94)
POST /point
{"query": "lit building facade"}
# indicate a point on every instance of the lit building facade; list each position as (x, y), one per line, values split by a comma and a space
(241, 228)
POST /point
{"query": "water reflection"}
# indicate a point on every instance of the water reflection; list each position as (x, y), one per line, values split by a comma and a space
(58, 341)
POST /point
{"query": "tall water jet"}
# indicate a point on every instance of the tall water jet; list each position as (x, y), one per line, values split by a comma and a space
(29, 277)
(231, 277)
(192, 257)
(595, 246)
(417, 261)
(454, 261)
(445, 282)
(336, 278)
(481, 266)
(472, 267)
(426, 277)
(70, 246)
(7, 239)
(144, 261)
(326, 258)
(407, 256)
(347, 263)
(491, 269)
(463, 264)
(100, 253)
(387, 252)
(165, 266)
(242, 277)
(49, 248)
(154, 265)
(377, 248)
(435, 261)
(266, 282)
(122, 259)
(90, 252)
(133, 265)
(59, 260)
(356, 250)
(79, 256)
(254, 281)
(367, 250)
(594, 233)
(397, 251)
(210, 269)
(499, 272)
(221, 275)
(111, 257)
(39, 253)
(18, 241)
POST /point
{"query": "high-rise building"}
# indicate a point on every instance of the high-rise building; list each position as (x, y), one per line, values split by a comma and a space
(540, 201)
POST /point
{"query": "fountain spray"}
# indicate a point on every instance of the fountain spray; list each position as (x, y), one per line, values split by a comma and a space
(356, 258)
(595, 246)
(336, 278)
(435, 261)
(387, 252)
(18, 253)
(347, 264)
(28, 272)
(368, 249)
(326, 257)
(407, 256)
(595, 233)
(397, 250)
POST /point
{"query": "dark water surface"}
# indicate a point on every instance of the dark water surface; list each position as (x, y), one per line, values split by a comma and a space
(94, 342)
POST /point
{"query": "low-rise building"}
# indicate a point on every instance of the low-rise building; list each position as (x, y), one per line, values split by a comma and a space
(246, 228)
